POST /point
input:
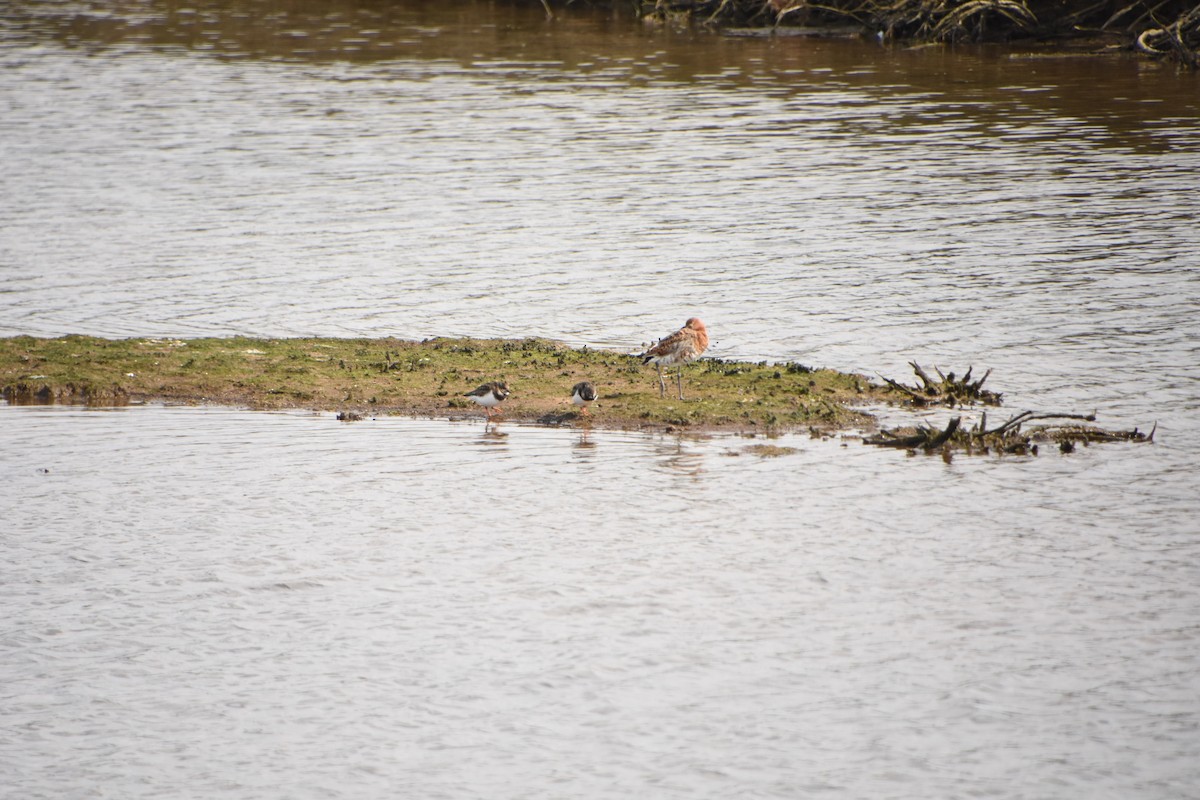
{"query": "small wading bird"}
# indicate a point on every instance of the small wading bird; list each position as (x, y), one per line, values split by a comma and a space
(489, 395)
(583, 393)
(682, 346)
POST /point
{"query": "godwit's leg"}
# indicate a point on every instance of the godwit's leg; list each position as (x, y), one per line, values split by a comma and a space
(679, 380)
(662, 385)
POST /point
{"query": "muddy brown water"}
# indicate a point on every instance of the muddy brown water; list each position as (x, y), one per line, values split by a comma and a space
(206, 602)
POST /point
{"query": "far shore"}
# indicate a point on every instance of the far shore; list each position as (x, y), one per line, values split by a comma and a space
(1168, 29)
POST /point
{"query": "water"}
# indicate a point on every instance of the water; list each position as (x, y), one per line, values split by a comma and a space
(279, 605)
(205, 602)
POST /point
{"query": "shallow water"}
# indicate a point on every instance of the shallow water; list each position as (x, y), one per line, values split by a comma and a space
(214, 601)
(280, 605)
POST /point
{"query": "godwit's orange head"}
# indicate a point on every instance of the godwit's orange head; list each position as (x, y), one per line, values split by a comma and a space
(695, 324)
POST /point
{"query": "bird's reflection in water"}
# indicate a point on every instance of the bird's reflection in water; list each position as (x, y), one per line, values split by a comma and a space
(675, 458)
(584, 444)
(492, 435)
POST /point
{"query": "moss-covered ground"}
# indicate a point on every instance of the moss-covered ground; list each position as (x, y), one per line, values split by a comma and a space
(391, 376)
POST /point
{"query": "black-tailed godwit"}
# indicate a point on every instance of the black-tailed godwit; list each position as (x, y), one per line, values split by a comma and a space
(682, 346)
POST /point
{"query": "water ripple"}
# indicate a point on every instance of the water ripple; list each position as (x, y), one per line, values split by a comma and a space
(216, 602)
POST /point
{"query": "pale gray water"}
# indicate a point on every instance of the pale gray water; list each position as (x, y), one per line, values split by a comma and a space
(223, 603)
(208, 602)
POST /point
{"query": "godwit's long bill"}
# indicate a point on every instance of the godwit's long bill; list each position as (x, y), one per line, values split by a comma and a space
(682, 346)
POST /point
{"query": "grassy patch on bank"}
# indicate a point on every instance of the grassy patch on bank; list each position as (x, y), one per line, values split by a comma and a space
(381, 376)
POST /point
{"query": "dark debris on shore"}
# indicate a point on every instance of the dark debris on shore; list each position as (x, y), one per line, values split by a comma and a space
(1015, 436)
(1009, 438)
(1169, 29)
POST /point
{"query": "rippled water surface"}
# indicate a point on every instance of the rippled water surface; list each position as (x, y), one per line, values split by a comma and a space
(213, 602)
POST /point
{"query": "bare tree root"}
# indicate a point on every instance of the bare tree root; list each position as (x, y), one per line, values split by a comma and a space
(948, 390)
(1007, 438)
(1013, 436)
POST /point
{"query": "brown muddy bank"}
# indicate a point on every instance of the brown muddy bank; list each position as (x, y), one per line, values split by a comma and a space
(1168, 30)
(432, 379)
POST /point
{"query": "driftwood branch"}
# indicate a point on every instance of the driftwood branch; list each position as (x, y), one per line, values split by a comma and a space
(947, 389)
(1007, 437)
(924, 437)
(1015, 435)
(1015, 423)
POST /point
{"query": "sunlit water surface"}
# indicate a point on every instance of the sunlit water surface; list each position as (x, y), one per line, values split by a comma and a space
(213, 602)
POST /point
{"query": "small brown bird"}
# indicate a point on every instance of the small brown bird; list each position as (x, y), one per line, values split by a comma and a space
(489, 395)
(583, 393)
(682, 346)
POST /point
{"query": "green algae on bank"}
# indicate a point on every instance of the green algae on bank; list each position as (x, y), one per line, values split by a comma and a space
(429, 378)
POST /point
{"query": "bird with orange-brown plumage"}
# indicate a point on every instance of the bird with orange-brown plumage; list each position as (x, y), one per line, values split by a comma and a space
(684, 345)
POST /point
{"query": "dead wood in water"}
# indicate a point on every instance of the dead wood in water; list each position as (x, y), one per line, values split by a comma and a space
(1179, 40)
(948, 390)
(1166, 29)
(1006, 438)
(910, 439)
